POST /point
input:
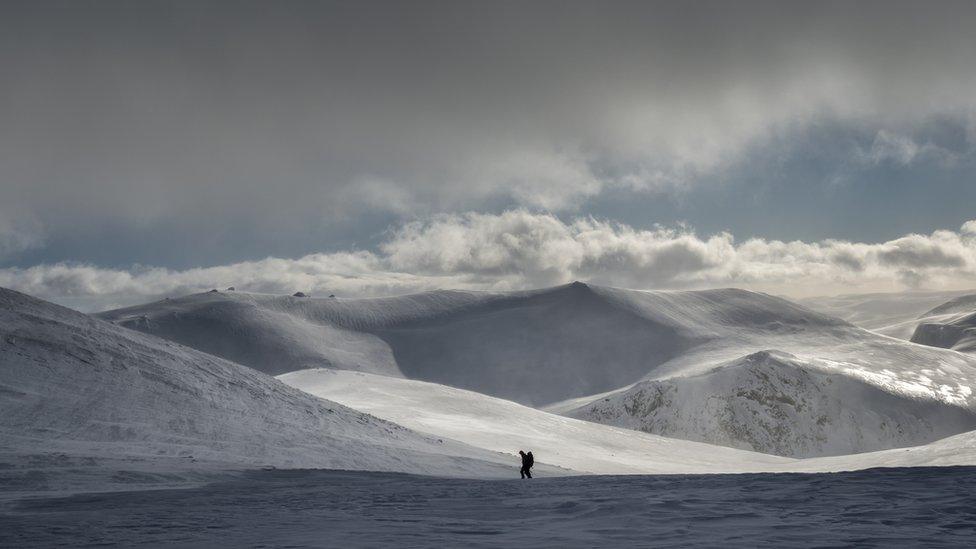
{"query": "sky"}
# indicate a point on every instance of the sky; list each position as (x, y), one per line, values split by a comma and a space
(369, 148)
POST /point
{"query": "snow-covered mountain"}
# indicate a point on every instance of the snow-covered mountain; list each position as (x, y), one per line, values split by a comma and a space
(816, 366)
(958, 332)
(532, 347)
(777, 403)
(74, 384)
(893, 314)
(504, 426)
(603, 353)
(961, 304)
(496, 424)
(951, 325)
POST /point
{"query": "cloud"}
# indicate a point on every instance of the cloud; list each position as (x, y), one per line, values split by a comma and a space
(223, 116)
(891, 147)
(941, 249)
(518, 249)
(19, 233)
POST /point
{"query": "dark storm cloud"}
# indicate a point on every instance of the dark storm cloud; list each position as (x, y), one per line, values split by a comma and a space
(166, 129)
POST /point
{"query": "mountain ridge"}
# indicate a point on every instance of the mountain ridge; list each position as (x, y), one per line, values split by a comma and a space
(519, 341)
(563, 348)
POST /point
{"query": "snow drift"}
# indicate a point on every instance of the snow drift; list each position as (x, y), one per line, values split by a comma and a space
(71, 383)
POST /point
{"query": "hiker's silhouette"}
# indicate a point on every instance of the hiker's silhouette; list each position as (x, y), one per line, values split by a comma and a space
(527, 462)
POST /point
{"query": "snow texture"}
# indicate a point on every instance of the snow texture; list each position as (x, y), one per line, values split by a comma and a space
(891, 314)
(580, 349)
(786, 405)
(78, 388)
(775, 403)
(957, 333)
(961, 304)
(500, 425)
(83, 387)
(532, 347)
(910, 508)
(504, 426)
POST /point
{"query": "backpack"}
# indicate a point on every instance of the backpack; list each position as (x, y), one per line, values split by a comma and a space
(531, 460)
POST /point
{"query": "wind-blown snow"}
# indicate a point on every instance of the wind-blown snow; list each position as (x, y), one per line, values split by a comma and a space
(951, 325)
(533, 347)
(958, 332)
(891, 314)
(74, 384)
(962, 304)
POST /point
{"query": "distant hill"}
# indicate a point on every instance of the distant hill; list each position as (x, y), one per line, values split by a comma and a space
(533, 347)
(894, 314)
(961, 304)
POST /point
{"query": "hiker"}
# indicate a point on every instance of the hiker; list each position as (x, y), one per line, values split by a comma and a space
(527, 462)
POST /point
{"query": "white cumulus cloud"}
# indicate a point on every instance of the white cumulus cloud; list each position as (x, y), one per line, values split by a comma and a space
(519, 249)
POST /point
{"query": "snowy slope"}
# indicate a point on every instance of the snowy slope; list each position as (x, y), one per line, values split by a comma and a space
(943, 326)
(71, 383)
(504, 426)
(952, 451)
(501, 425)
(77, 385)
(891, 314)
(568, 347)
(772, 408)
(533, 347)
(931, 384)
(962, 304)
(957, 332)
(775, 403)
(273, 334)
(951, 325)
